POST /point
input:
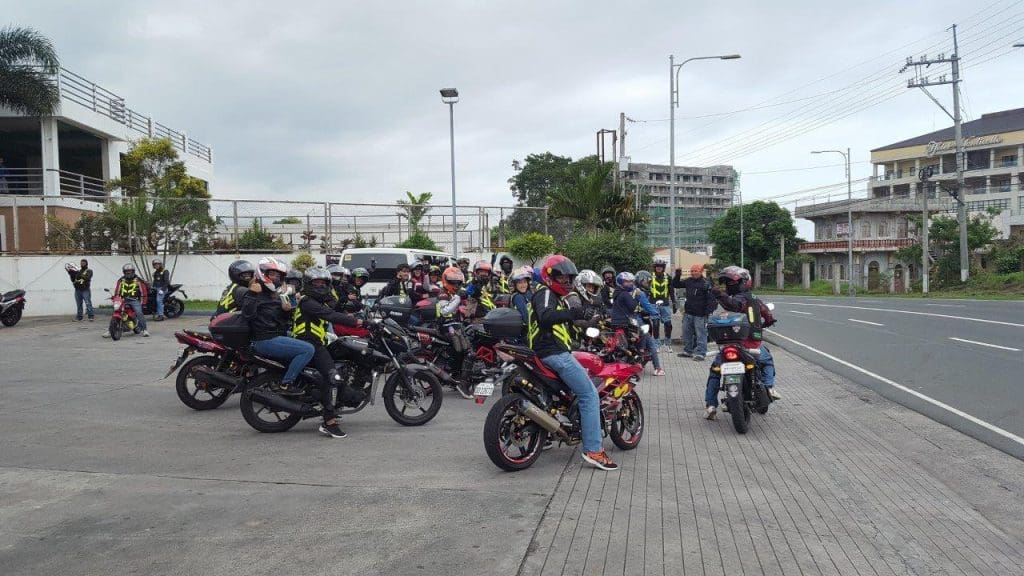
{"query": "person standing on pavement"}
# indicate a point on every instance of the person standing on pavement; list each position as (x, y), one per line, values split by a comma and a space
(663, 296)
(161, 283)
(699, 303)
(81, 279)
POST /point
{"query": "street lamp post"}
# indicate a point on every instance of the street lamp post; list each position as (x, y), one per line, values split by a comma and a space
(450, 96)
(849, 218)
(673, 92)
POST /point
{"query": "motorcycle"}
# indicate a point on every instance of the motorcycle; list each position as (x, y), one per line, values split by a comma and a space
(361, 364)
(741, 378)
(173, 306)
(206, 381)
(541, 405)
(122, 319)
(11, 306)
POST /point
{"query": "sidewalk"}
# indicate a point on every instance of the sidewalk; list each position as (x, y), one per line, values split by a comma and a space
(833, 480)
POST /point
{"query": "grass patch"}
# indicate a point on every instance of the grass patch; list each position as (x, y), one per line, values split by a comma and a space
(981, 286)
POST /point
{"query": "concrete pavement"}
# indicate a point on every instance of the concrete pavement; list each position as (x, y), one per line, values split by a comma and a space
(103, 471)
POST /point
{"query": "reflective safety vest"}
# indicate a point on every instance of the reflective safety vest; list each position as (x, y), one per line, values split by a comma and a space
(485, 298)
(130, 289)
(503, 284)
(560, 331)
(227, 299)
(302, 325)
(659, 289)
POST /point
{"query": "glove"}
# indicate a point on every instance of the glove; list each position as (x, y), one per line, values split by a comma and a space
(578, 313)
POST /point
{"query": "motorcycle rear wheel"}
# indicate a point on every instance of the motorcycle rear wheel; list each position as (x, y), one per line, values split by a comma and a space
(628, 427)
(761, 399)
(173, 308)
(11, 317)
(740, 413)
(116, 329)
(261, 417)
(196, 394)
(506, 430)
(425, 388)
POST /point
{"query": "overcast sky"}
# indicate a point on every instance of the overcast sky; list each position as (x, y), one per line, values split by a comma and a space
(339, 100)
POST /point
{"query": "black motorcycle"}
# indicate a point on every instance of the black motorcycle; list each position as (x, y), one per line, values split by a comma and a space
(173, 306)
(741, 378)
(11, 306)
(412, 393)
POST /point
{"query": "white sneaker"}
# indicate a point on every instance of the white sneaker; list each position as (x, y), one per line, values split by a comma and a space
(774, 395)
(145, 333)
(710, 413)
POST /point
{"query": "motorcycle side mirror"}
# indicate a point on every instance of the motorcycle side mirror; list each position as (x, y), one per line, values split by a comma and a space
(771, 306)
(593, 332)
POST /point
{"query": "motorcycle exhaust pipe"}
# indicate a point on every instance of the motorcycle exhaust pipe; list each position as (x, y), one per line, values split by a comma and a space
(545, 420)
(279, 402)
(229, 382)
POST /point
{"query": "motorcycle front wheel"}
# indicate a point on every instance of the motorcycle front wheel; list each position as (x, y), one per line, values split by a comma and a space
(195, 392)
(261, 417)
(413, 407)
(115, 329)
(173, 308)
(628, 427)
(512, 441)
(11, 317)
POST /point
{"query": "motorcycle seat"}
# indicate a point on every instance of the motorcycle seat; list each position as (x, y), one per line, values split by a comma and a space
(13, 294)
(524, 350)
(198, 334)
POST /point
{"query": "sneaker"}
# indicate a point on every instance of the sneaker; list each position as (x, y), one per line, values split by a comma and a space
(659, 372)
(332, 430)
(159, 318)
(600, 460)
(710, 412)
(773, 394)
(145, 333)
(685, 354)
(698, 358)
(668, 348)
(291, 389)
(548, 444)
(464, 389)
(106, 334)
(92, 318)
(79, 319)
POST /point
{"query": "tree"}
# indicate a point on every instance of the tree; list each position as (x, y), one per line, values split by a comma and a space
(764, 224)
(588, 198)
(534, 180)
(531, 246)
(609, 249)
(28, 61)
(418, 241)
(257, 238)
(944, 237)
(303, 261)
(288, 220)
(414, 209)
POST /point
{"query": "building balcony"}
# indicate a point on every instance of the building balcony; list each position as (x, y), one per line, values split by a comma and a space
(875, 245)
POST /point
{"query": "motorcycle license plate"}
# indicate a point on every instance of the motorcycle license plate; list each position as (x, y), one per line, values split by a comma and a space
(733, 368)
(484, 389)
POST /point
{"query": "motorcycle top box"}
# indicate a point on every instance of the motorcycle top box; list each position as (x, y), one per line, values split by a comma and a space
(398, 308)
(230, 329)
(729, 327)
(504, 323)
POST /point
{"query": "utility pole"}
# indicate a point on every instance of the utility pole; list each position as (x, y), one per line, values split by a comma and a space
(923, 82)
(923, 176)
(622, 134)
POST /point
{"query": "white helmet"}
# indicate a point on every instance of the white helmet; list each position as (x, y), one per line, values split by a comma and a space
(582, 279)
(267, 265)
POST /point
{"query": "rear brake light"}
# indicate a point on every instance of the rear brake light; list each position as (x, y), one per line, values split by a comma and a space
(731, 354)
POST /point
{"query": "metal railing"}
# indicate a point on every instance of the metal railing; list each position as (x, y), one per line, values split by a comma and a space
(29, 181)
(86, 93)
(876, 244)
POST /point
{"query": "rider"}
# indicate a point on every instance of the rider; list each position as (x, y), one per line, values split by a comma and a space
(548, 334)
(339, 280)
(608, 290)
(448, 303)
(352, 298)
(480, 288)
(293, 280)
(588, 286)
(161, 283)
(651, 314)
(311, 322)
(134, 292)
(240, 272)
(400, 285)
(420, 284)
(661, 291)
(504, 280)
(521, 293)
(629, 299)
(463, 264)
(269, 314)
(434, 275)
(738, 298)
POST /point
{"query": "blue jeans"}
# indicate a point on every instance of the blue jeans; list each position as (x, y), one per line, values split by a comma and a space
(765, 363)
(292, 350)
(160, 292)
(575, 376)
(136, 306)
(695, 335)
(665, 314)
(648, 342)
(86, 297)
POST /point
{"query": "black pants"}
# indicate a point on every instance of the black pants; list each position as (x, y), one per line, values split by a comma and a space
(325, 364)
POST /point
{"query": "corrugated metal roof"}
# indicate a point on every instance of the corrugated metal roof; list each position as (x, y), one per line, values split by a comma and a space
(994, 123)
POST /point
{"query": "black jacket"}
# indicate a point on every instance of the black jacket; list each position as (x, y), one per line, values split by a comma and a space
(397, 287)
(161, 278)
(81, 279)
(344, 304)
(547, 314)
(607, 294)
(266, 317)
(313, 309)
(699, 299)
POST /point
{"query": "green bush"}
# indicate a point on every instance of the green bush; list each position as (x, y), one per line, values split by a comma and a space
(531, 246)
(418, 241)
(609, 248)
(303, 261)
(997, 282)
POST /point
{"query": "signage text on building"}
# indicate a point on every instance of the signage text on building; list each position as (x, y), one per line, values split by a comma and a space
(975, 142)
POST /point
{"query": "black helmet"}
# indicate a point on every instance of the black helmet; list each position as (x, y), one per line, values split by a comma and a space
(502, 264)
(293, 277)
(313, 287)
(735, 279)
(360, 273)
(127, 269)
(608, 270)
(239, 268)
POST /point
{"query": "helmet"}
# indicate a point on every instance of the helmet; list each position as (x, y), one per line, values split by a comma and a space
(660, 262)
(293, 277)
(462, 262)
(418, 266)
(584, 278)
(643, 278)
(360, 273)
(317, 283)
(333, 269)
(267, 265)
(607, 270)
(434, 270)
(503, 261)
(240, 268)
(558, 273)
(481, 266)
(345, 272)
(402, 266)
(157, 261)
(452, 279)
(128, 270)
(625, 280)
(524, 273)
(735, 279)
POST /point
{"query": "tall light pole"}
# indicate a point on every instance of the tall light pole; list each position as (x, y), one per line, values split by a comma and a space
(450, 96)
(849, 218)
(673, 92)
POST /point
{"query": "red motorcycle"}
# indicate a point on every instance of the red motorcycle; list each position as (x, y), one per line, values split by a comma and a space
(206, 381)
(123, 318)
(540, 404)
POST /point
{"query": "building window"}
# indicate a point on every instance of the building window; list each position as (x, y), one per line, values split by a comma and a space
(698, 178)
(978, 205)
(901, 228)
(1007, 161)
(842, 272)
(1020, 202)
(883, 229)
(865, 230)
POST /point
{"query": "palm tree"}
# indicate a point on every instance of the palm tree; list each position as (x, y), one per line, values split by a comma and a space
(593, 203)
(414, 209)
(28, 61)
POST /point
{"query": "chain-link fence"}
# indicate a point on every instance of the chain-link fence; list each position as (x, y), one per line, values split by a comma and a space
(65, 224)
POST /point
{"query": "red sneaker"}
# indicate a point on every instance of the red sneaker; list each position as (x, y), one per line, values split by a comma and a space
(600, 460)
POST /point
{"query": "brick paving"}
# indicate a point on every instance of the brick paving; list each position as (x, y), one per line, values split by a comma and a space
(814, 487)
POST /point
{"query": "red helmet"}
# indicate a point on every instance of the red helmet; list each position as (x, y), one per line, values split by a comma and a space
(481, 266)
(452, 279)
(558, 273)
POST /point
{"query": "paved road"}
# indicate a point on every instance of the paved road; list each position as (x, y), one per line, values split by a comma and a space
(966, 354)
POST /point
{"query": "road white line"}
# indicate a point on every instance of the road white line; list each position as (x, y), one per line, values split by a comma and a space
(948, 305)
(799, 312)
(1008, 435)
(865, 322)
(986, 344)
(969, 319)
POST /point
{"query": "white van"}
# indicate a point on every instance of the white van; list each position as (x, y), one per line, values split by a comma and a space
(382, 263)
